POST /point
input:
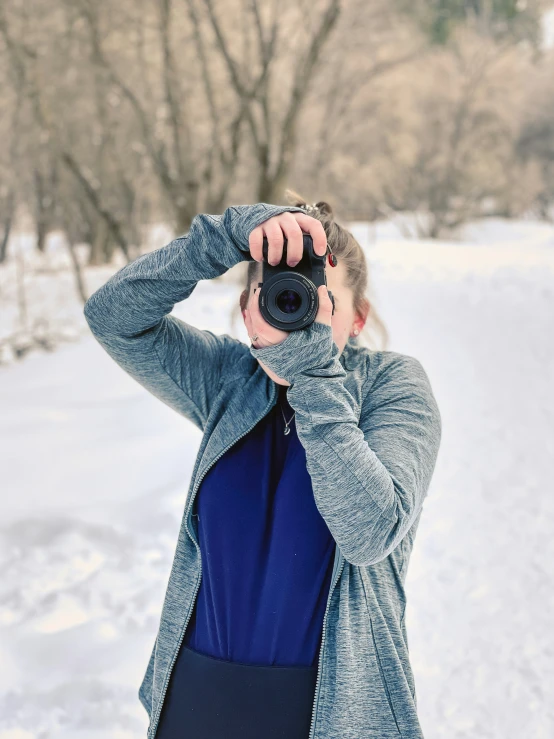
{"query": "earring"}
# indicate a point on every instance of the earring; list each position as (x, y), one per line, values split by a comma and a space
(356, 332)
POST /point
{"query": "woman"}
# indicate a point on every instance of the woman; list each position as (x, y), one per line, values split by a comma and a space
(284, 611)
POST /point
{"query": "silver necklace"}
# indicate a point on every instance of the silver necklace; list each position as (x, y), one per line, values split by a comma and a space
(286, 430)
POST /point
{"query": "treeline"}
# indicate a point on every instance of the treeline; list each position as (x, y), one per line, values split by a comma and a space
(119, 115)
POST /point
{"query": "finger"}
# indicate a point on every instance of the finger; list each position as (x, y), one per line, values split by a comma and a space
(325, 310)
(259, 342)
(315, 229)
(294, 236)
(256, 317)
(266, 333)
(259, 324)
(275, 239)
(255, 241)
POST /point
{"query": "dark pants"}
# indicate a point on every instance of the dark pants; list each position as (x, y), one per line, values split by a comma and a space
(209, 698)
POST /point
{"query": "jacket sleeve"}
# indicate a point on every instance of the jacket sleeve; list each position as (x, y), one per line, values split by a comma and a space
(370, 467)
(130, 314)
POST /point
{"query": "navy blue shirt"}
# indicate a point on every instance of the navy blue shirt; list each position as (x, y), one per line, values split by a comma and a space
(267, 553)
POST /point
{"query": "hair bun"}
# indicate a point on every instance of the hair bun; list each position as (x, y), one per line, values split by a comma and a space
(321, 208)
(325, 209)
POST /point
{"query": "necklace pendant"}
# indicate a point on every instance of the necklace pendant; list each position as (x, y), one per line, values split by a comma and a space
(287, 431)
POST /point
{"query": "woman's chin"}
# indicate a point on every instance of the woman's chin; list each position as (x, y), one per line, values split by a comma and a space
(273, 376)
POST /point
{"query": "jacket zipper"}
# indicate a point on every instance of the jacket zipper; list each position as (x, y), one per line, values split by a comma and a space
(154, 725)
(334, 581)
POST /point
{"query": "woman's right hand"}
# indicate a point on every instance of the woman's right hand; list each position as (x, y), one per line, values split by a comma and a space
(292, 226)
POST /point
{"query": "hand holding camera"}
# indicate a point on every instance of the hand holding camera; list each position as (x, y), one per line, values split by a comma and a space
(293, 293)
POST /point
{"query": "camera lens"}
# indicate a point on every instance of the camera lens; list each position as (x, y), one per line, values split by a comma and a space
(288, 301)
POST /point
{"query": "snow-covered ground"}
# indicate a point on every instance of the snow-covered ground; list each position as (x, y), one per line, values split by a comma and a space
(95, 473)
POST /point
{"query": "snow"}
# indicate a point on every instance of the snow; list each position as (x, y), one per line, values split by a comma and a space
(95, 473)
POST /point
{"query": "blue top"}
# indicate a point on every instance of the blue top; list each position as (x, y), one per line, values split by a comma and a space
(267, 553)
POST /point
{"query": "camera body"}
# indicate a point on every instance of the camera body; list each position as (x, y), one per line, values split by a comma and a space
(288, 296)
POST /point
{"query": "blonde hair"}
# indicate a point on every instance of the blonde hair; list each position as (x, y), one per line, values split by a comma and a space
(347, 250)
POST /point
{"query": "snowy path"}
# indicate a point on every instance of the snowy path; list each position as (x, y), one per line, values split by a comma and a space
(95, 473)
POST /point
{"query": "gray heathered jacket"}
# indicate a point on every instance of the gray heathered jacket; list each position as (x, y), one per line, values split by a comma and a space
(371, 428)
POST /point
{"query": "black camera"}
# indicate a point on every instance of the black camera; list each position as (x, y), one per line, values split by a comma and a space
(288, 296)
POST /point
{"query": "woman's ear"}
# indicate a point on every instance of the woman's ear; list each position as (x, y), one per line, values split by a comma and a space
(364, 312)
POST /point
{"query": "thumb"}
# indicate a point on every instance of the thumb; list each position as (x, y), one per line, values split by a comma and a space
(325, 310)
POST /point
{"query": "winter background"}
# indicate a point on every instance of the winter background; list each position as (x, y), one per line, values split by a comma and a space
(96, 471)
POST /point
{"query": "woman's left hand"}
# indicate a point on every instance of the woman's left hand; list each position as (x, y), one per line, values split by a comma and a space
(268, 335)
